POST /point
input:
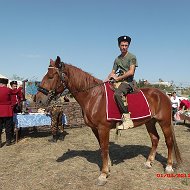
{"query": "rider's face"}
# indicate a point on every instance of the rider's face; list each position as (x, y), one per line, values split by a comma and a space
(124, 47)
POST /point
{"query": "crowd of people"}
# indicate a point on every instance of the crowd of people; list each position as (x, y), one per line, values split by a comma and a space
(178, 104)
(10, 100)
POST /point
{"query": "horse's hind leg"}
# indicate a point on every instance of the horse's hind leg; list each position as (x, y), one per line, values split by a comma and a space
(167, 130)
(95, 131)
(150, 126)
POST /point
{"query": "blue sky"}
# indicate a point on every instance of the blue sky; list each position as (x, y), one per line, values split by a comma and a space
(84, 33)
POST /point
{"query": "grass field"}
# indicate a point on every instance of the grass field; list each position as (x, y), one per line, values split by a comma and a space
(36, 164)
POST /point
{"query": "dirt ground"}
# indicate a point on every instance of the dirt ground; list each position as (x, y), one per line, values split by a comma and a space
(36, 164)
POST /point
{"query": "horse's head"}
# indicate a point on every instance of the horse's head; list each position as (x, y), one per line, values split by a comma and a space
(52, 83)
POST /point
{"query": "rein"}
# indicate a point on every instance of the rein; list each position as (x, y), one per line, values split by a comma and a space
(86, 89)
(62, 75)
(52, 93)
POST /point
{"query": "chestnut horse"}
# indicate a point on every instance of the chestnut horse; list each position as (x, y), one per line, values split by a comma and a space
(89, 92)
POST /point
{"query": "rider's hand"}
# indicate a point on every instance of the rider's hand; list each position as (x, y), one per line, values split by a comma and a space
(112, 80)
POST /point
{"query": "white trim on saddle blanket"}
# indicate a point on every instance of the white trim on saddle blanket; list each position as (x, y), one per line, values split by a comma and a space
(116, 115)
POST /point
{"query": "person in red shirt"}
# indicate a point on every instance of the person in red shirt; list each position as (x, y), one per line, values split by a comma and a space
(6, 111)
(184, 104)
(16, 97)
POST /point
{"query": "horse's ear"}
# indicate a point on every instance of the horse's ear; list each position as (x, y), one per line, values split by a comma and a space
(52, 63)
(58, 62)
(58, 59)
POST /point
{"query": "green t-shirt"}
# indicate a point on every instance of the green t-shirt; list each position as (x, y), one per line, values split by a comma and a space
(124, 63)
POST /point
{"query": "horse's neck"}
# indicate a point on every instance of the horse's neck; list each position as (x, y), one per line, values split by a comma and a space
(80, 80)
(81, 84)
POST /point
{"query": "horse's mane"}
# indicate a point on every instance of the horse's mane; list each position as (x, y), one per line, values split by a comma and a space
(84, 79)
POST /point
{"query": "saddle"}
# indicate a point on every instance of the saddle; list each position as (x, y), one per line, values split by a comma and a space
(137, 104)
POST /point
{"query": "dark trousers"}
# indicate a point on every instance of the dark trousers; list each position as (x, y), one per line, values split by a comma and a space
(174, 111)
(7, 122)
(122, 90)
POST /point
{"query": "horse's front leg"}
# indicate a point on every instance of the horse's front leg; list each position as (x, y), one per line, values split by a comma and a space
(104, 146)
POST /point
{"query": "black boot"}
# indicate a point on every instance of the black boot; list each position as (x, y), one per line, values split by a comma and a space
(53, 139)
(8, 139)
(13, 137)
(8, 143)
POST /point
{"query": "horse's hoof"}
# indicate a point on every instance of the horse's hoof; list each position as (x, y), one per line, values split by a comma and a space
(101, 181)
(147, 165)
(169, 170)
(52, 140)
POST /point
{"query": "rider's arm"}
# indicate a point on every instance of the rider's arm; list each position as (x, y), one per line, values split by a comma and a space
(127, 74)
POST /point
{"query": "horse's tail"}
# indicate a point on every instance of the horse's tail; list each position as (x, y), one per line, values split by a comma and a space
(175, 148)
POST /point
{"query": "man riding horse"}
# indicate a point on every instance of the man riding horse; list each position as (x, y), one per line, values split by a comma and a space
(93, 103)
(125, 64)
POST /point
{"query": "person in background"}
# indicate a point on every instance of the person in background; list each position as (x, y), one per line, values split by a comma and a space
(169, 95)
(125, 64)
(175, 104)
(57, 126)
(184, 105)
(16, 97)
(6, 111)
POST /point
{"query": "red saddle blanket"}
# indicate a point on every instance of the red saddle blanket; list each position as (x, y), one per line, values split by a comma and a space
(137, 105)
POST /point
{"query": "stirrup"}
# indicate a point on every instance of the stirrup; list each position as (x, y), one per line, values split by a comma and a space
(126, 122)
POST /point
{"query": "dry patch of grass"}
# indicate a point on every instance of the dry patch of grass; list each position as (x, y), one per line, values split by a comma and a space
(75, 163)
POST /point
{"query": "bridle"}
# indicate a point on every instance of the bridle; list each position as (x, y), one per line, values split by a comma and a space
(52, 94)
